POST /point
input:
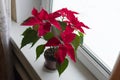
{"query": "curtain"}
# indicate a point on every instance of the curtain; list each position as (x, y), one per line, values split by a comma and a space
(5, 64)
(116, 70)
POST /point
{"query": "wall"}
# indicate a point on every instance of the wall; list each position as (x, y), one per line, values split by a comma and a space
(21, 9)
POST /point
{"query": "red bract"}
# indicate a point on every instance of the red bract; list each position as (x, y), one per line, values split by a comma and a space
(55, 23)
(70, 51)
(43, 15)
(64, 45)
(72, 20)
(42, 19)
(63, 50)
(67, 35)
(65, 12)
(31, 21)
(35, 12)
(53, 42)
(68, 29)
(43, 29)
(76, 23)
(61, 53)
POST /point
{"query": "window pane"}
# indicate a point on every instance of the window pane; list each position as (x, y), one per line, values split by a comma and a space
(103, 17)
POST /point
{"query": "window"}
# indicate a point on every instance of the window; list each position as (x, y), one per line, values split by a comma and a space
(103, 38)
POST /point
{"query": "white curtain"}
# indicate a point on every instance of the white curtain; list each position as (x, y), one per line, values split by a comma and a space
(5, 64)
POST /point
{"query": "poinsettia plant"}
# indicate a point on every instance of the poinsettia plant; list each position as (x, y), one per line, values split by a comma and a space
(67, 35)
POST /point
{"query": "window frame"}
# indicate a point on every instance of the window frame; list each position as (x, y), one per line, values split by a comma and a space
(92, 63)
(47, 4)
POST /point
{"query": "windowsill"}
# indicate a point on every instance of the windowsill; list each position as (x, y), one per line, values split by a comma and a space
(35, 67)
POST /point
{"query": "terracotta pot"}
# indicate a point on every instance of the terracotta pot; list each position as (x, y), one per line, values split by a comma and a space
(50, 61)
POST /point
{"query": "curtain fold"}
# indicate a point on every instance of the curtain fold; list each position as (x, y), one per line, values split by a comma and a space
(5, 64)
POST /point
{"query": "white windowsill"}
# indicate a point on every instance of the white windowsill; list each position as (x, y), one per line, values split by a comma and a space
(75, 71)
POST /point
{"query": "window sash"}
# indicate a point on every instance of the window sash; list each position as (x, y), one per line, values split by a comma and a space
(92, 63)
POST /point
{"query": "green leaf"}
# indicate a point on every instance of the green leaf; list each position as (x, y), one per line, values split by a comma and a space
(30, 36)
(35, 27)
(61, 67)
(77, 41)
(48, 36)
(39, 51)
(81, 35)
(63, 25)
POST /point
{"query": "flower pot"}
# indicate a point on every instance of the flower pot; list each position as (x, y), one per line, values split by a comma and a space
(50, 61)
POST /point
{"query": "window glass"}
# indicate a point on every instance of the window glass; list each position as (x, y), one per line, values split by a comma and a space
(102, 16)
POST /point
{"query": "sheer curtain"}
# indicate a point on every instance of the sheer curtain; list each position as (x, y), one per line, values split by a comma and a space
(5, 61)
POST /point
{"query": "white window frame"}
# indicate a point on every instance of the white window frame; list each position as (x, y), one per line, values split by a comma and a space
(46, 4)
(92, 63)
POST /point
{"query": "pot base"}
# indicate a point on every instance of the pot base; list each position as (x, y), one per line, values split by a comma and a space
(50, 61)
(50, 65)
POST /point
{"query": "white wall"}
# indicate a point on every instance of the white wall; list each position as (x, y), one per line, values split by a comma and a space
(24, 8)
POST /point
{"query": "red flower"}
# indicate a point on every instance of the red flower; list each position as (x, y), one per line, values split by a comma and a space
(72, 20)
(53, 42)
(67, 36)
(44, 28)
(53, 21)
(64, 45)
(43, 20)
(65, 12)
(61, 53)
(33, 20)
(70, 51)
